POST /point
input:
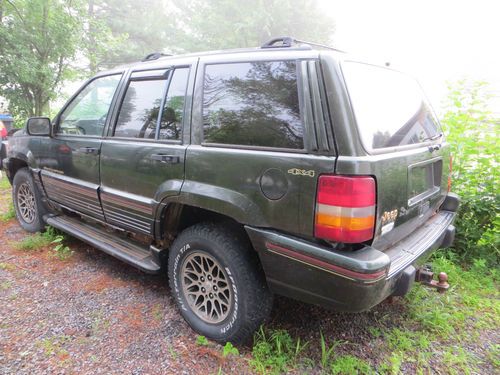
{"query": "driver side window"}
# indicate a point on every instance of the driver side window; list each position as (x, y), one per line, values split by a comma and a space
(86, 114)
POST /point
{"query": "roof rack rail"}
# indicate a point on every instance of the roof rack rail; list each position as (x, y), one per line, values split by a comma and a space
(288, 41)
(155, 56)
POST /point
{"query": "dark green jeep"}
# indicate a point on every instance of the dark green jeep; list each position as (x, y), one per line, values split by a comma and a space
(290, 168)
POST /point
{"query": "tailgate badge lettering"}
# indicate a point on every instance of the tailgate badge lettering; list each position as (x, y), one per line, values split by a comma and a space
(389, 216)
(302, 172)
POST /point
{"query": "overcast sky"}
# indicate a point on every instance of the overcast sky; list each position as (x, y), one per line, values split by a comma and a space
(436, 41)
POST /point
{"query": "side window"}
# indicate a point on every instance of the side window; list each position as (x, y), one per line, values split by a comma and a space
(254, 104)
(140, 108)
(86, 114)
(173, 110)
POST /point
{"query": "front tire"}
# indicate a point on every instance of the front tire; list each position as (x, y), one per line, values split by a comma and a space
(217, 283)
(28, 202)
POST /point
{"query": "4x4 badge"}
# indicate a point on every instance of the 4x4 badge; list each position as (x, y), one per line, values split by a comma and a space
(302, 172)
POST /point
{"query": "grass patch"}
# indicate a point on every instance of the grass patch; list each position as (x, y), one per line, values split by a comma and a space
(4, 183)
(5, 285)
(434, 332)
(202, 341)
(348, 364)
(472, 299)
(275, 352)
(9, 214)
(34, 242)
(493, 355)
(54, 346)
(7, 266)
(51, 236)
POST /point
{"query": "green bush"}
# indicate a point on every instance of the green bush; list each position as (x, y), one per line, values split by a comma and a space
(473, 136)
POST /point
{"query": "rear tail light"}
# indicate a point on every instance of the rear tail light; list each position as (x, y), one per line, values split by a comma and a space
(345, 208)
(449, 173)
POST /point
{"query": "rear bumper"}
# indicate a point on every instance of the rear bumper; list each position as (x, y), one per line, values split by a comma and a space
(347, 281)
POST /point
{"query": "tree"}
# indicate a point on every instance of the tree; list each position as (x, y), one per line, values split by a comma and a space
(138, 28)
(38, 41)
(217, 24)
(176, 26)
(45, 43)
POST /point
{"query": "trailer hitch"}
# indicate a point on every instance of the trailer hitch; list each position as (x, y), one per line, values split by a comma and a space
(426, 277)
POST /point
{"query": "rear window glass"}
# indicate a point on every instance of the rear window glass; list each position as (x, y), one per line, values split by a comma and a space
(140, 108)
(389, 107)
(253, 104)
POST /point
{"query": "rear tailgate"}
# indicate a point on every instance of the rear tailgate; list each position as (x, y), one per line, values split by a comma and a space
(404, 149)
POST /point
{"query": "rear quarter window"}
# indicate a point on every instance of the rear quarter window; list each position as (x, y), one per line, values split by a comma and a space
(252, 104)
(390, 107)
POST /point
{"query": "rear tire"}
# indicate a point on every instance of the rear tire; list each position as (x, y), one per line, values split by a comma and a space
(28, 202)
(218, 284)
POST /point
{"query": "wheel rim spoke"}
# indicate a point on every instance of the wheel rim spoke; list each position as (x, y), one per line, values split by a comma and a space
(206, 288)
(26, 203)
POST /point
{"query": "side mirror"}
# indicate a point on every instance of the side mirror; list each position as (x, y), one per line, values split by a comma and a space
(38, 126)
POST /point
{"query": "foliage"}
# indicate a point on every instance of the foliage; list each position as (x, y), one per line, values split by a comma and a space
(139, 28)
(275, 352)
(38, 40)
(432, 329)
(41, 47)
(34, 242)
(9, 214)
(51, 236)
(473, 136)
(60, 250)
(136, 28)
(218, 24)
(4, 183)
(229, 349)
(326, 352)
(202, 341)
(349, 364)
(46, 43)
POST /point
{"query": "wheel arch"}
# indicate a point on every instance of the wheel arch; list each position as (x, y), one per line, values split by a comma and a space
(175, 217)
(14, 165)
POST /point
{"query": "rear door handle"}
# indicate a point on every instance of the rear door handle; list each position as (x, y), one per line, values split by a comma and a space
(168, 159)
(87, 150)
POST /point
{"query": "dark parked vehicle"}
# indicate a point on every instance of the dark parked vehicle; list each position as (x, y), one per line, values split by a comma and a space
(291, 169)
(5, 131)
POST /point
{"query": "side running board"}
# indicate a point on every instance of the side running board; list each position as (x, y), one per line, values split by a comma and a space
(121, 248)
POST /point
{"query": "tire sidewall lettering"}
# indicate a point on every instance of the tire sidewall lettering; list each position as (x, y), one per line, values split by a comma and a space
(232, 319)
(234, 316)
(178, 295)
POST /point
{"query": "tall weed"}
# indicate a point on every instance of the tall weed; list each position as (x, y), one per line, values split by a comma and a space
(473, 136)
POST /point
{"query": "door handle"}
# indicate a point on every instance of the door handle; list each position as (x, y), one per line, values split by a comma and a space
(168, 159)
(88, 150)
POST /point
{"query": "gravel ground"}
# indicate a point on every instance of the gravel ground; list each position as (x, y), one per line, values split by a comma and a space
(94, 314)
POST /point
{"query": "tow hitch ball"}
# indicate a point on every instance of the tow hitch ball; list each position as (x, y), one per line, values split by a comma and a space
(426, 277)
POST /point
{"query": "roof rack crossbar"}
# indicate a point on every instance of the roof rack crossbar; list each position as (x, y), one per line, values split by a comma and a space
(288, 41)
(155, 56)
